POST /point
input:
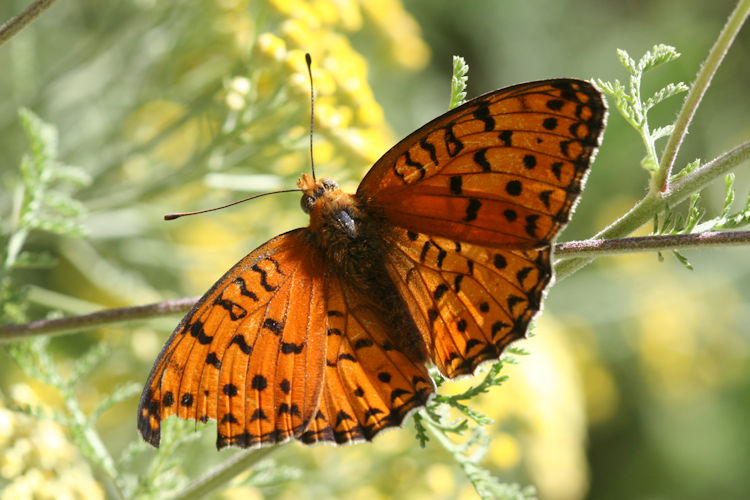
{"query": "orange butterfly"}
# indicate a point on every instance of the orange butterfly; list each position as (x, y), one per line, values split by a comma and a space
(442, 255)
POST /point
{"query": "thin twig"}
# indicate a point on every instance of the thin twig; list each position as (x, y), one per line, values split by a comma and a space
(594, 248)
(100, 318)
(575, 251)
(223, 473)
(697, 90)
(693, 182)
(17, 23)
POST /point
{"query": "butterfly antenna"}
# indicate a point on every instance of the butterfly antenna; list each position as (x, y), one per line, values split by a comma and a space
(183, 214)
(308, 60)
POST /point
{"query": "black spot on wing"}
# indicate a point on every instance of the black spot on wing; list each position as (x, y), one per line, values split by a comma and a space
(430, 148)
(235, 310)
(213, 360)
(483, 113)
(513, 187)
(274, 326)
(187, 400)
(259, 383)
(472, 209)
(480, 158)
(196, 331)
(529, 161)
(456, 184)
(550, 123)
(239, 341)
(264, 277)
(506, 137)
(451, 141)
(243, 289)
(292, 348)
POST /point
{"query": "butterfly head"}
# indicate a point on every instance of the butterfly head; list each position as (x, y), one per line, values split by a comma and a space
(313, 190)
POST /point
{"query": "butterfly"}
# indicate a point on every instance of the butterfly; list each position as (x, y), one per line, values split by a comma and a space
(442, 256)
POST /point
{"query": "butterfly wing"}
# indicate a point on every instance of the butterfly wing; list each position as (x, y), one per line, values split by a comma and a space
(469, 301)
(502, 170)
(369, 385)
(476, 197)
(251, 353)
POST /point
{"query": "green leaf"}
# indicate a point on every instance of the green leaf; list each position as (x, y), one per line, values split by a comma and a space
(662, 132)
(695, 213)
(649, 163)
(119, 394)
(727, 220)
(728, 195)
(658, 55)
(422, 436)
(86, 363)
(683, 260)
(626, 61)
(690, 167)
(458, 81)
(668, 91)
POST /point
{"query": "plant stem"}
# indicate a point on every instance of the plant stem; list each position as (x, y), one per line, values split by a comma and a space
(595, 248)
(222, 474)
(100, 318)
(91, 440)
(573, 255)
(19, 22)
(682, 188)
(697, 90)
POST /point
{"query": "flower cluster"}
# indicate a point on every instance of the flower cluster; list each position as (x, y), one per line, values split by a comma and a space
(38, 460)
(263, 126)
(349, 123)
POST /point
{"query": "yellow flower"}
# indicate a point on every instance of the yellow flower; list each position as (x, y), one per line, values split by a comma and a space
(401, 30)
(326, 11)
(238, 89)
(504, 450)
(297, 33)
(440, 479)
(38, 460)
(271, 46)
(370, 113)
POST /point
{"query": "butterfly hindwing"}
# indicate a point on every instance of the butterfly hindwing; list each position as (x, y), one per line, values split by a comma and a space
(250, 354)
(470, 301)
(369, 385)
(501, 170)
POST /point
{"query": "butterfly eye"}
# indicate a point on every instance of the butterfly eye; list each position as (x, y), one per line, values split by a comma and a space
(307, 203)
(329, 184)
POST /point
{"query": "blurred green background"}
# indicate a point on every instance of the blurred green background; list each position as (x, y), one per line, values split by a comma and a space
(638, 382)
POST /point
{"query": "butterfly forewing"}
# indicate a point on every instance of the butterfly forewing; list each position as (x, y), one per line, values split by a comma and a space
(502, 170)
(250, 354)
